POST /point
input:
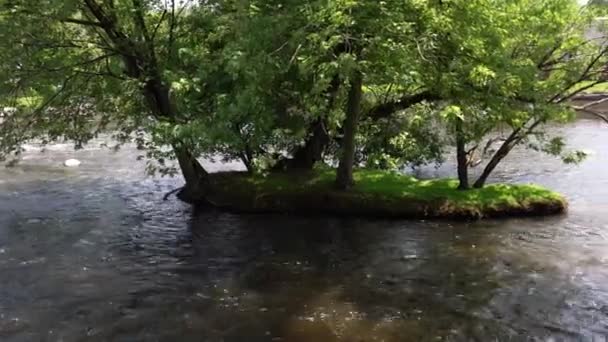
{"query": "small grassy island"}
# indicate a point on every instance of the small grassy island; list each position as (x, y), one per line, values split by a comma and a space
(378, 194)
(287, 86)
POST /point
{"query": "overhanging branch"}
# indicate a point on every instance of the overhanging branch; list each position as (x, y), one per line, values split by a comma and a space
(386, 109)
(596, 114)
(587, 109)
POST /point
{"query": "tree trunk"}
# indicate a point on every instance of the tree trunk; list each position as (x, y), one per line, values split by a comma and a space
(461, 156)
(306, 156)
(344, 177)
(194, 174)
(502, 152)
(247, 158)
(141, 64)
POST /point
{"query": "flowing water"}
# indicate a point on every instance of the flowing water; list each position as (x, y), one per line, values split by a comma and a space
(95, 254)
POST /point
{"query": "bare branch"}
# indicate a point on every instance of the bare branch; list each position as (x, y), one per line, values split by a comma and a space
(587, 109)
(100, 74)
(559, 97)
(279, 48)
(591, 104)
(160, 21)
(295, 55)
(576, 92)
(594, 113)
(472, 149)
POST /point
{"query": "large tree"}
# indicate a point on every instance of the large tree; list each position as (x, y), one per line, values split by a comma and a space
(73, 68)
(510, 67)
(290, 83)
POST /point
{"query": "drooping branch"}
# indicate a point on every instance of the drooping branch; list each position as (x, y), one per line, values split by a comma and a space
(61, 92)
(587, 108)
(596, 114)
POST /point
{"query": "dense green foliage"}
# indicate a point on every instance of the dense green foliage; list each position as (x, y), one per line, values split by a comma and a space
(275, 83)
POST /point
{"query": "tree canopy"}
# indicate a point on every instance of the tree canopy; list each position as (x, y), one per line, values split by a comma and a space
(290, 84)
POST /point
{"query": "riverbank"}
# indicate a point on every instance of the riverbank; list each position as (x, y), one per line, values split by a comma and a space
(379, 194)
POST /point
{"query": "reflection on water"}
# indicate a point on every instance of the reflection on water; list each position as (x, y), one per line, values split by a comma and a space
(95, 254)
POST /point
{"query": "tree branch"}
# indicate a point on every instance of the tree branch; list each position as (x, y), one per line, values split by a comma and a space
(386, 109)
(118, 38)
(75, 65)
(560, 97)
(48, 102)
(172, 25)
(587, 109)
(160, 21)
(81, 22)
(546, 59)
(140, 21)
(594, 113)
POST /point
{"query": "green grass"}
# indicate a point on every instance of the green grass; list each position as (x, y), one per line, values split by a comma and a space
(394, 193)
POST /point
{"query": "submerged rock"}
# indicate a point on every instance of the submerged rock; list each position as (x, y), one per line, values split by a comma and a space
(72, 163)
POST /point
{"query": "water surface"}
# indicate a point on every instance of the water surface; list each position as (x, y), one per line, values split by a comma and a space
(95, 254)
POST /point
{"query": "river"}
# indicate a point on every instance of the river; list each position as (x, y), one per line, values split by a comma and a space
(95, 254)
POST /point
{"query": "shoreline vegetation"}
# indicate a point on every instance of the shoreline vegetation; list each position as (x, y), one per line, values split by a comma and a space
(284, 86)
(377, 194)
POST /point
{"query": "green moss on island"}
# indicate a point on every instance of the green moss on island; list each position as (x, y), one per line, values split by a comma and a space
(379, 194)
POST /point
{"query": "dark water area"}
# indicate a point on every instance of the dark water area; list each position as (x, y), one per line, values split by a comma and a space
(95, 254)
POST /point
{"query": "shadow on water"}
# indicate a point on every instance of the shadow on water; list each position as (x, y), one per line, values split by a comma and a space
(240, 278)
(120, 264)
(329, 280)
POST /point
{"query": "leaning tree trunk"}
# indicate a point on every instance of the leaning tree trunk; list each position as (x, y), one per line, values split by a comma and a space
(461, 157)
(344, 177)
(195, 176)
(502, 152)
(306, 156)
(141, 64)
(496, 159)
